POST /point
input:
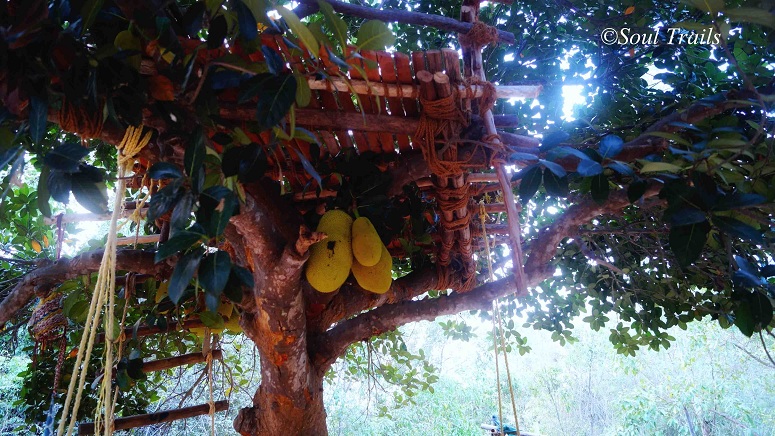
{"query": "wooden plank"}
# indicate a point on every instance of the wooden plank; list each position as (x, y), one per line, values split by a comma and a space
(357, 122)
(387, 69)
(418, 61)
(329, 101)
(86, 428)
(452, 65)
(404, 74)
(368, 103)
(379, 106)
(435, 62)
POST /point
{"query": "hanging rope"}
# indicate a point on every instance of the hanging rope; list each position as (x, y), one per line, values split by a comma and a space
(103, 299)
(498, 330)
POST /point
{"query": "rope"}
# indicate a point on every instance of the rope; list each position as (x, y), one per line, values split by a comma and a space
(479, 36)
(78, 119)
(103, 299)
(499, 329)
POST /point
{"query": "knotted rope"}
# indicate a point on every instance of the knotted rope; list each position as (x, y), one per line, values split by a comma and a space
(103, 299)
(479, 36)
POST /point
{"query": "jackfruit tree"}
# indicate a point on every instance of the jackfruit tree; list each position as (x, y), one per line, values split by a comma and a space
(649, 202)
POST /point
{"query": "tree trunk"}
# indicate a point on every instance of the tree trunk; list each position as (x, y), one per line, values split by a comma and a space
(289, 400)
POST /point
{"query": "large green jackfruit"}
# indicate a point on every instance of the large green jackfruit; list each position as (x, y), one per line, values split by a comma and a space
(367, 247)
(330, 260)
(377, 278)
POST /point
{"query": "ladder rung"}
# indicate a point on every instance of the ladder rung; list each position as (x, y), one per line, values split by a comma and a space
(156, 418)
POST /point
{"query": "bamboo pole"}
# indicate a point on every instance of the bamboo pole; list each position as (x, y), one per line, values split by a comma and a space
(135, 421)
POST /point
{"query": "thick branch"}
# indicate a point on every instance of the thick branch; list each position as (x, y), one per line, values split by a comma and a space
(332, 344)
(418, 18)
(43, 279)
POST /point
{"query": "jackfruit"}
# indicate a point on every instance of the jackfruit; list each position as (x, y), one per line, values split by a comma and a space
(377, 278)
(330, 260)
(367, 247)
(232, 324)
(336, 222)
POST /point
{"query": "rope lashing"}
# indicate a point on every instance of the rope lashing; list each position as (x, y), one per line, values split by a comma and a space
(497, 328)
(479, 36)
(79, 119)
(103, 300)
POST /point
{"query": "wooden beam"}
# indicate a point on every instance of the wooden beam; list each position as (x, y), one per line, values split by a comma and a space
(141, 239)
(81, 217)
(153, 330)
(408, 17)
(408, 91)
(156, 418)
(174, 362)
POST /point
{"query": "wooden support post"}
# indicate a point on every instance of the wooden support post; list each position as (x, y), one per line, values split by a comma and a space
(473, 67)
(174, 362)
(135, 421)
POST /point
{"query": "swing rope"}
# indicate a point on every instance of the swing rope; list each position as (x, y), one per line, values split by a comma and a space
(498, 330)
(103, 299)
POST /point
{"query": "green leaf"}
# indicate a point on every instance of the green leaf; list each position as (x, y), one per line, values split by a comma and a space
(655, 167)
(164, 170)
(43, 193)
(194, 156)
(738, 200)
(303, 93)
(589, 168)
(531, 181)
(672, 136)
(38, 117)
(761, 309)
(66, 157)
(89, 13)
(212, 320)
(687, 242)
(374, 35)
(610, 146)
(712, 6)
(217, 204)
(213, 276)
(744, 319)
(555, 186)
(752, 15)
(335, 23)
(738, 229)
(182, 274)
(300, 30)
(277, 95)
(90, 191)
(555, 168)
(181, 242)
(248, 27)
(217, 32)
(164, 200)
(181, 214)
(600, 188)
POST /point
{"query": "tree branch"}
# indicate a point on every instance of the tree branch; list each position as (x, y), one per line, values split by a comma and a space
(407, 17)
(328, 346)
(41, 280)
